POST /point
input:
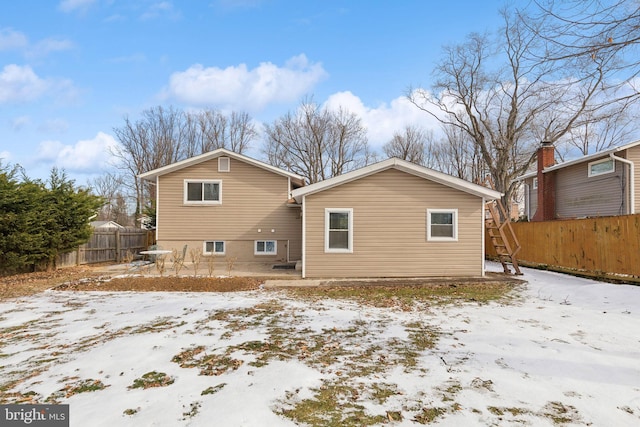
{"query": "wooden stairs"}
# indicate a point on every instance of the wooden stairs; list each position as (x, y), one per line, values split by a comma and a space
(501, 235)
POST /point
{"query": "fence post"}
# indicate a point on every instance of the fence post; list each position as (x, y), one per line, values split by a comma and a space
(78, 255)
(117, 245)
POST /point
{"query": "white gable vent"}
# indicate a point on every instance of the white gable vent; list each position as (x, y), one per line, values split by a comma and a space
(224, 164)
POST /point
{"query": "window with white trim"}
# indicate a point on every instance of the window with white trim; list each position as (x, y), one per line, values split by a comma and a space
(601, 167)
(224, 164)
(204, 192)
(265, 247)
(442, 225)
(338, 230)
(214, 247)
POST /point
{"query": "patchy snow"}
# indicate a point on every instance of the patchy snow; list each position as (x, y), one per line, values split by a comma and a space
(567, 352)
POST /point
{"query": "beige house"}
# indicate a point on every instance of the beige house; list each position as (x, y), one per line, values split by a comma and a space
(390, 219)
(393, 219)
(599, 184)
(230, 206)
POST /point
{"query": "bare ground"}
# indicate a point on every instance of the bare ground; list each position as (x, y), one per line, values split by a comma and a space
(94, 278)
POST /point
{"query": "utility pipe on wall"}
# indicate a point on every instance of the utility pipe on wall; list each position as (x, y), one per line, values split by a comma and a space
(632, 195)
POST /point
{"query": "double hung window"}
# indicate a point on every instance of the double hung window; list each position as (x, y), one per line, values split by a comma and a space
(442, 224)
(338, 230)
(203, 192)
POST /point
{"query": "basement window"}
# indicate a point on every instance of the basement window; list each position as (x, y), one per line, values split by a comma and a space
(214, 247)
(442, 225)
(265, 247)
(601, 167)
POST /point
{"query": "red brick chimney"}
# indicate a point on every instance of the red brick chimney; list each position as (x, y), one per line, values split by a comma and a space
(546, 184)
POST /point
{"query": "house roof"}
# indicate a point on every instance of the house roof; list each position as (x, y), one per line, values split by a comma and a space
(105, 224)
(220, 152)
(404, 166)
(582, 159)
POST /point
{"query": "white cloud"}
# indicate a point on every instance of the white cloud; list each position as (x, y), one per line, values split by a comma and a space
(240, 88)
(18, 123)
(160, 9)
(88, 155)
(4, 157)
(19, 84)
(71, 5)
(385, 119)
(46, 46)
(10, 39)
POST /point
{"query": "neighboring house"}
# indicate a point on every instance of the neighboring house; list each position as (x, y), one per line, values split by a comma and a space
(106, 225)
(600, 184)
(228, 205)
(390, 219)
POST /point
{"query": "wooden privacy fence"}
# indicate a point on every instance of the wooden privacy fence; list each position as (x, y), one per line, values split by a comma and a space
(108, 246)
(597, 246)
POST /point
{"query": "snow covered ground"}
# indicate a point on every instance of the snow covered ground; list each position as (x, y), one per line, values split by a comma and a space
(566, 352)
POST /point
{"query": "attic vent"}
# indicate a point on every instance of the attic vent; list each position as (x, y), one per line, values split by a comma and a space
(224, 164)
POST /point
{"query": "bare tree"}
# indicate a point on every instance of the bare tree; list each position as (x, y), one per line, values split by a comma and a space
(317, 143)
(149, 143)
(577, 29)
(410, 145)
(110, 187)
(120, 211)
(506, 102)
(596, 135)
(579, 32)
(456, 154)
(166, 135)
(209, 130)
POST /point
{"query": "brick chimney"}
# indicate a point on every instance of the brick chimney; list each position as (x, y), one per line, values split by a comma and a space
(546, 184)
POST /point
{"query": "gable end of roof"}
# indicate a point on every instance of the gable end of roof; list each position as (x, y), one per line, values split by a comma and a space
(401, 165)
(220, 152)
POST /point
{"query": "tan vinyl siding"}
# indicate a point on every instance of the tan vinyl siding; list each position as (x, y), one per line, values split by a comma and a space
(389, 229)
(252, 199)
(579, 195)
(633, 154)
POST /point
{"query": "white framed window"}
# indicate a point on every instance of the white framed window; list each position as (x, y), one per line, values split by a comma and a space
(224, 164)
(338, 230)
(214, 247)
(442, 225)
(265, 247)
(202, 192)
(535, 183)
(601, 167)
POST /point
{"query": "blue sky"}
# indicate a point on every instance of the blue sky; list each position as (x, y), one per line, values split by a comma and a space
(71, 70)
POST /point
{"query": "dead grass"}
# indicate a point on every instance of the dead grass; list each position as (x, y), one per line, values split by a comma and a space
(165, 284)
(405, 295)
(19, 285)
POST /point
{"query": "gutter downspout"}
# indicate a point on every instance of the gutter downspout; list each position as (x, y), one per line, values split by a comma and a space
(304, 237)
(484, 232)
(632, 189)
